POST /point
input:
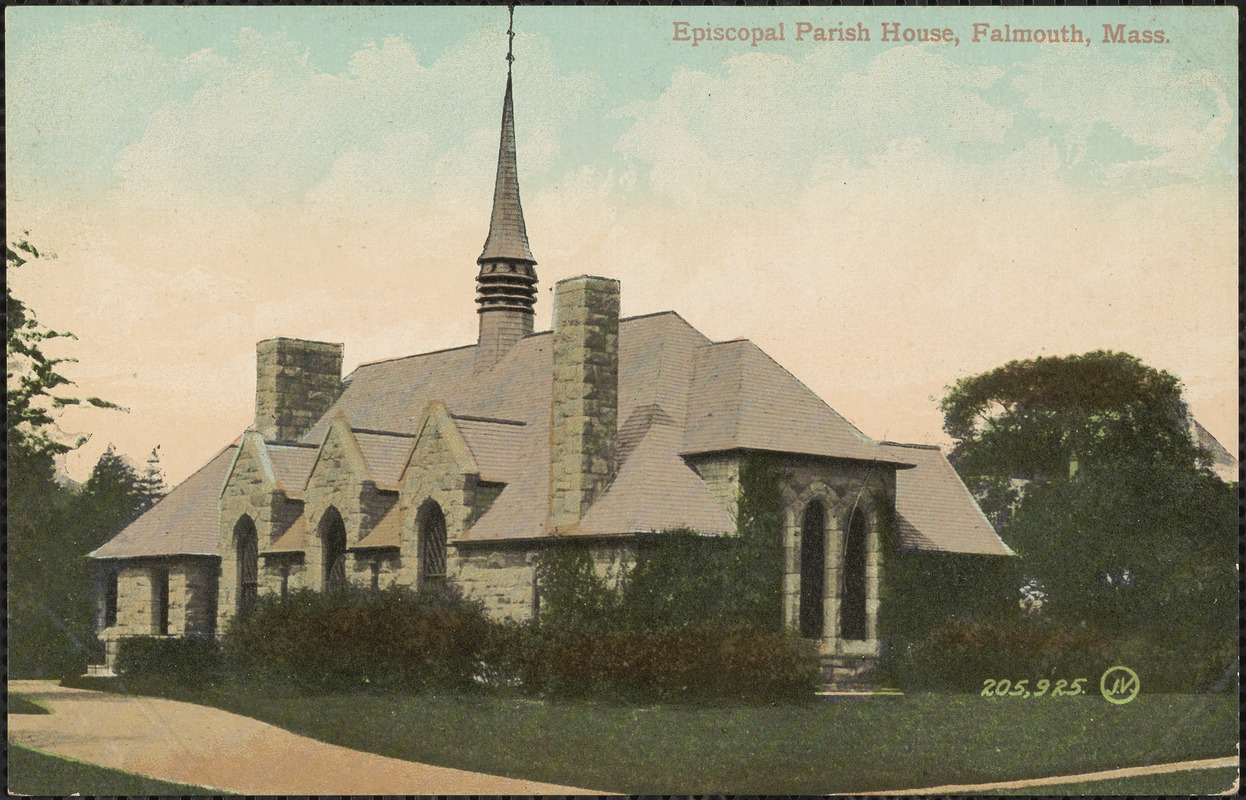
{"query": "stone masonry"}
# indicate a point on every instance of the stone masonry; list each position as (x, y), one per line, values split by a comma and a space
(296, 382)
(584, 413)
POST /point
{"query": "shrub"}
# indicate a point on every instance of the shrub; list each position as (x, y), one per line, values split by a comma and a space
(355, 639)
(701, 662)
(959, 656)
(185, 660)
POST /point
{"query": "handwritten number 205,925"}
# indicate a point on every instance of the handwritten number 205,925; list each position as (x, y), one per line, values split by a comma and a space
(1004, 687)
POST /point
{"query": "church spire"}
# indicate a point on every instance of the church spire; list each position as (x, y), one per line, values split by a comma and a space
(506, 283)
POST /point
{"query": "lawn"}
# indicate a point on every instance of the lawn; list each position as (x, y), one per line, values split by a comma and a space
(21, 704)
(841, 744)
(33, 772)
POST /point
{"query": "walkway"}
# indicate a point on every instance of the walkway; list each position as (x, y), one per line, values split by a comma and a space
(215, 749)
(1110, 774)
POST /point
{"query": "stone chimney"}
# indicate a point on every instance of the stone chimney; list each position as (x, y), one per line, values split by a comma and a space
(585, 408)
(295, 383)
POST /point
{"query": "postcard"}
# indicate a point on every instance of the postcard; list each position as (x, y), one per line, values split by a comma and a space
(553, 400)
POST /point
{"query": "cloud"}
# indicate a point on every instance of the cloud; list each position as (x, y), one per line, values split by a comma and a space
(757, 132)
(1179, 118)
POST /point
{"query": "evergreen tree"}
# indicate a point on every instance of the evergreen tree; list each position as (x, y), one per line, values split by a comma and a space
(48, 582)
(151, 484)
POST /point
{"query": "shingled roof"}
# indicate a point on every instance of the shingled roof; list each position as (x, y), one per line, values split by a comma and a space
(934, 510)
(679, 394)
(183, 523)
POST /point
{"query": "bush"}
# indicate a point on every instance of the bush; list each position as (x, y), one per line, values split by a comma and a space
(356, 639)
(959, 656)
(702, 662)
(189, 660)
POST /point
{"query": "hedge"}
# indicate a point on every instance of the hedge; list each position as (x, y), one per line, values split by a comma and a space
(189, 660)
(356, 639)
(692, 663)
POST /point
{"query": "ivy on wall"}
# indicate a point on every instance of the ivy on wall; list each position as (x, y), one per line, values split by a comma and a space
(681, 577)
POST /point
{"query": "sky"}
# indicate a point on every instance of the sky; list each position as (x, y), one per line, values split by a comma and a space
(883, 218)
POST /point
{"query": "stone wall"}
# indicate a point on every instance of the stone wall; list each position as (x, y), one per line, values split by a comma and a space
(295, 383)
(437, 474)
(584, 412)
(502, 578)
(192, 598)
(340, 480)
(250, 492)
(721, 475)
(841, 487)
(274, 567)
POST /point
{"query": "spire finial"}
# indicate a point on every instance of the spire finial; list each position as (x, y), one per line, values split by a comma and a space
(510, 42)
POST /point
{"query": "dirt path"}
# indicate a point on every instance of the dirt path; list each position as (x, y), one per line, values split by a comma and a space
(1126, 772)
(207, 747)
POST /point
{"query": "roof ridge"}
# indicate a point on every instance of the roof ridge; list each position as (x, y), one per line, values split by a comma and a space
(377, 433)
(911, 444)
(363, 364)
(493, 420)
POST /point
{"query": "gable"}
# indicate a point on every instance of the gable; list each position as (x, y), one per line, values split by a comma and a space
(338, 455)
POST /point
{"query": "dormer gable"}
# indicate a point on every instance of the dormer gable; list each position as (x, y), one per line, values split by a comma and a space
(439, 440)
(339, 459)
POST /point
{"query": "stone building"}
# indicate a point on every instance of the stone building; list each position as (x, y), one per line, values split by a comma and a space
(464, 465)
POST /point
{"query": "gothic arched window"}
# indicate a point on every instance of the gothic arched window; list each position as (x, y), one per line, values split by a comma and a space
(432, 542)
(812, 570)
(333, 542)
(247, 543)
(852, 604)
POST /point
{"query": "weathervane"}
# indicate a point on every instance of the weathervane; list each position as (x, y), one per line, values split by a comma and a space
(510, 43)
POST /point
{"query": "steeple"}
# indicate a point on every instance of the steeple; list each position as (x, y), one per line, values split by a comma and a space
(506, 283)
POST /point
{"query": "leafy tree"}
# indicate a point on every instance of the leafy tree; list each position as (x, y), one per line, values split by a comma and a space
(1019, 426)
(1136, 546)
(33, 379)
(48, 587)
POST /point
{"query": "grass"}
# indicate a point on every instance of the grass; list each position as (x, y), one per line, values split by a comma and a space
(21, 704)
(840, 744)
(1198, 782)
(33, 772)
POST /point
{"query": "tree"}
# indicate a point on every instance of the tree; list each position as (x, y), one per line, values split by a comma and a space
(33, 379)
(151, 484)
(46, 580)
(1021, 425)
(1137, 546)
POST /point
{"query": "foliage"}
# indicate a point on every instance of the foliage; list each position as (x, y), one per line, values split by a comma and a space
(696, 662)
(185, 660)
(33, 379)
(1021, 424)
(355, 639)
(960, 655)
(151, 483)
(1137, 546)
(1146, 551)
(923, 591)
(680, 577)
(721, 594)
(572, 595)
(50, 529)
